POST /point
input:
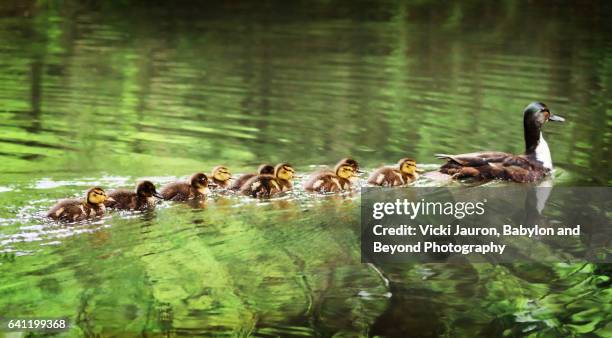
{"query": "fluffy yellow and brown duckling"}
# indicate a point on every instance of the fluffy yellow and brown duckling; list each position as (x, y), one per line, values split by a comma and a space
(79, 209)
(264, 169)
(266, 185)
(220, 177)
(284, 174)
(332, 181)
(196, 187)
(531, 166)
(140, 199)
(405, 173)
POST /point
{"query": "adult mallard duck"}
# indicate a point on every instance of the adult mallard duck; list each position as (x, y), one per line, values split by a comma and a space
(529, 167)
(79, 209)
(404, 173)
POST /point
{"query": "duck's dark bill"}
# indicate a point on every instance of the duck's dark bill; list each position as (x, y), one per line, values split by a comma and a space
(556, 118)
(158, 195)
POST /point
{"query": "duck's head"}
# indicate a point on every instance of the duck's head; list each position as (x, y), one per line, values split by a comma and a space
(284, 171)
(265, 169)
(221, 173)
(350, 162)
(96, 195)
(537, 114)
(147, 189)
(199, 181)
(407, 166)
(345, 171)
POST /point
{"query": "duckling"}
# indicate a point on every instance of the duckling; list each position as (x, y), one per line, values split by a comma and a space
(284, 173)
(266, 185)
(264, 169)
(390, 177)
(196, 187)
(79, 209)
(221, 177)
(328, 181)
(140, 199)
(261, 186)
(529, 167)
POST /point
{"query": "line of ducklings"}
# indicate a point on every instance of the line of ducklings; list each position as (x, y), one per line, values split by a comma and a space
(268, 181)
(532, 166)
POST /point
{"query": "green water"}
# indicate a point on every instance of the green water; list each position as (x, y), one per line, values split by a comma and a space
(109, 94)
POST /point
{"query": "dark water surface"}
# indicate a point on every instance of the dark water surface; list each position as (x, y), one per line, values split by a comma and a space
(109, 94)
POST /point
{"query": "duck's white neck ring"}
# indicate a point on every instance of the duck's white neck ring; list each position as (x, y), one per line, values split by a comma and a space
(542, 153)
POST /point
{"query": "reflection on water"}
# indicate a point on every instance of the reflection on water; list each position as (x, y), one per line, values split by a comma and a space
(107, 94)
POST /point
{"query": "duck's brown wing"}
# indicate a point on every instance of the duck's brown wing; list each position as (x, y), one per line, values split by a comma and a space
(177, 191)
(476, 159)
(74, 212)
(123, 199)
(61, 208)
(484, 165)
(493, 165)
(325, 181)
(521, 168)
(385, 176)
